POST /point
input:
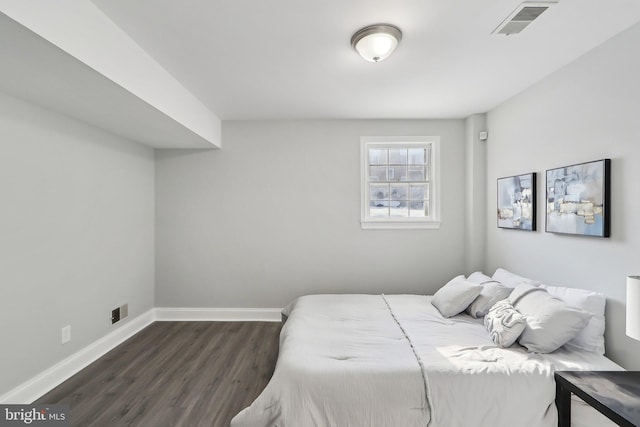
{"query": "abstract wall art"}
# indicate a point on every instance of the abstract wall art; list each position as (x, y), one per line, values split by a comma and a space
(578, 199)
(517, 202)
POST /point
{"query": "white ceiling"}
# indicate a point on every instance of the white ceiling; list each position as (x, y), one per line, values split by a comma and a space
(38, 71)
(292, 59)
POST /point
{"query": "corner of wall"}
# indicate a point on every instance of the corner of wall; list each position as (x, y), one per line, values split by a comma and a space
(475, 193)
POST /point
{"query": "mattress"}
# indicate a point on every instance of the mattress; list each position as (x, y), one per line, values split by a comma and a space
(393, 360)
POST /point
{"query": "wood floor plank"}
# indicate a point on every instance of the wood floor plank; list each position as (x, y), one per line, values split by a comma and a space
(174, 374)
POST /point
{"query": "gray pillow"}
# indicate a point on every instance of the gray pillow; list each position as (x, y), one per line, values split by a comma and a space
(504, 323)
(480, 278)
(591, 338)
(512, 280)
(490, 294)
(455, 296)
(551, 323)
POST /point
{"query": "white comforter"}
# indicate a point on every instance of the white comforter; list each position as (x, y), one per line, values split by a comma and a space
(373, 360)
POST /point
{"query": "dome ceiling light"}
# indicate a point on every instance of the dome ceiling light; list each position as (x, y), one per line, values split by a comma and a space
(376, 42)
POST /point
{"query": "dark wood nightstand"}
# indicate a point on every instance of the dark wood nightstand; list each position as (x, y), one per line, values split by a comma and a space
(615, 394)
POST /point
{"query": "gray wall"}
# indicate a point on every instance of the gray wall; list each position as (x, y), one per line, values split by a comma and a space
(77, 235)
(275, 215)
(586, 111)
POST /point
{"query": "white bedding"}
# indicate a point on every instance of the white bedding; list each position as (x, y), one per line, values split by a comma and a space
(372, 360)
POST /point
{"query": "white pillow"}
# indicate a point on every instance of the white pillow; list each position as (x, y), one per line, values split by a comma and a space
(512, 280)
(550, 322)
(479, 278)
(491, 293)
(504, 323)
(455, 296)
(591, 338)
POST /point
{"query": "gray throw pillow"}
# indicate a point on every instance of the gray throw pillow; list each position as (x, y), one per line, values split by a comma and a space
(551, 323)
(510, 279)
(480, 278)
(490, 294)
(455, 296)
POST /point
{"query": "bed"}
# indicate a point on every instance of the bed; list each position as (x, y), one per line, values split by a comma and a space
(394, 360)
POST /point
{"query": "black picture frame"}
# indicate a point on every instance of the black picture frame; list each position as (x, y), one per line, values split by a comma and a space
(578, 199)
(516, 202)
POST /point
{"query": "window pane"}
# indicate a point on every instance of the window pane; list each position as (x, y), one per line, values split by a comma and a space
(375, 210)
(417, 156)
(399, 191)
(377, 156)
(377, 173)
(398, 182)
(419, 208)
(397, 173)
(378, 192)
(419, 191)
(399, 208)
(397, 156)
(417, 173)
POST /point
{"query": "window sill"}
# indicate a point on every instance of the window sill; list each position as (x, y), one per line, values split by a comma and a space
(400, 225)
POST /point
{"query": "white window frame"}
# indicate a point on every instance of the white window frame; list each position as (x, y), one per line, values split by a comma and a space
(429, 222)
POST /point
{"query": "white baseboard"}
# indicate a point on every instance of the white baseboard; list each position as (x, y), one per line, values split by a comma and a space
(45, 381)
(219, 314)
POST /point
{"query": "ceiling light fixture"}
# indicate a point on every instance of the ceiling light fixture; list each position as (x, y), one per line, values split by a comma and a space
(376, 42)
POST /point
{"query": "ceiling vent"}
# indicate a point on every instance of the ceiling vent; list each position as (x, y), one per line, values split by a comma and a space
(524, 15)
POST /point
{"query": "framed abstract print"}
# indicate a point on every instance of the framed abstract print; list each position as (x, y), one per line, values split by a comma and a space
(578, 199)
(517, 202)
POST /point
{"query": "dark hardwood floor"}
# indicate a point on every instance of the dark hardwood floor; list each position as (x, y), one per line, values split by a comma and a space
(174, 374)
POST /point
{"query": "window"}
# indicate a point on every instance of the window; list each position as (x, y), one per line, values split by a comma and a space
(400, 182)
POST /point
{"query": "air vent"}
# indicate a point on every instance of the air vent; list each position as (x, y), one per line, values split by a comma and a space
(524, 15)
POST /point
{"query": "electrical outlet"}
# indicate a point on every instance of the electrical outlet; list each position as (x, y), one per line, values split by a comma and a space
(124, 311)
(115, 315)
(66, 334)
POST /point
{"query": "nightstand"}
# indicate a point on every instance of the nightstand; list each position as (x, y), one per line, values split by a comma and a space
(615, 394)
